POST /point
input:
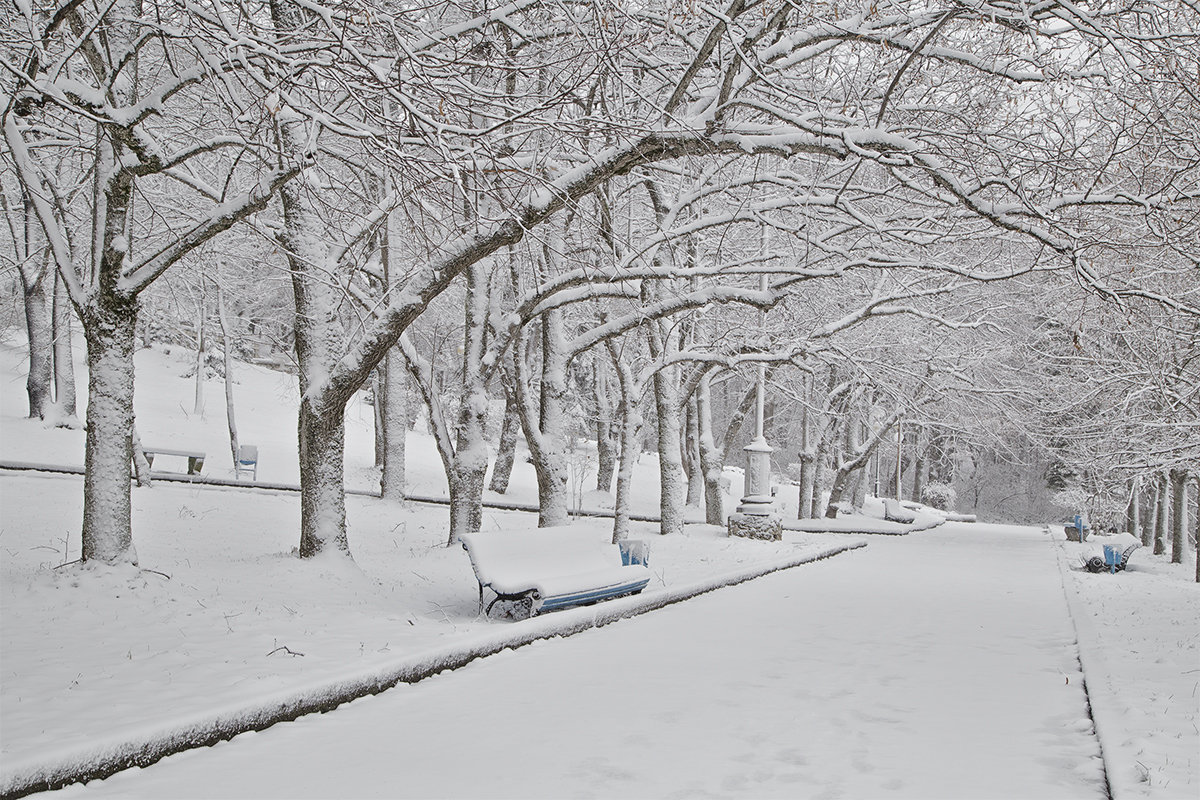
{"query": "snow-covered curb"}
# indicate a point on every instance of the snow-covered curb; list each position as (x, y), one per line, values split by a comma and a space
(54, 770)
(1080, 619)
(231, 483)
(860, 525)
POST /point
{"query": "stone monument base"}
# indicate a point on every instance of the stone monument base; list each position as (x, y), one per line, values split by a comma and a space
(756, 526)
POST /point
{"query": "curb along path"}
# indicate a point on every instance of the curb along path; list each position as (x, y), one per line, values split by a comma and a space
(939, 665)
(56, 770)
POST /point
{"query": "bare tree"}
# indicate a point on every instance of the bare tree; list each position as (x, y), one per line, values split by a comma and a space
(122, 92)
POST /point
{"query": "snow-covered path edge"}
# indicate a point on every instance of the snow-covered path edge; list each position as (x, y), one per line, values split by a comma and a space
(1098, 712)
(54, 770)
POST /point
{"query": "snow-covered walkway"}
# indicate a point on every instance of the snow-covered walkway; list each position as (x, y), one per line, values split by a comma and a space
(940, 664)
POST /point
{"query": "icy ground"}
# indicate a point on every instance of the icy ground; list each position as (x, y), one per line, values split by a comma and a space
(940, 663)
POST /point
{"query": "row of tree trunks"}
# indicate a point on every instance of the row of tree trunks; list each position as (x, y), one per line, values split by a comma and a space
(1164, 513)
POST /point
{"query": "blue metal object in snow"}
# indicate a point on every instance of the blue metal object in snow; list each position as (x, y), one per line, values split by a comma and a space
(1081, 528)
(634, 552)
(1112, 558)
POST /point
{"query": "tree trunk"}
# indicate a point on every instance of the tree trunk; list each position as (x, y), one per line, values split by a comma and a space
(109, 323)
(141, 464)
(377, 390)
(544, 433)
(730, 439)
(670, 462)
(841, 480)
(317, 333)
(466, 501)
(818, 485)
(1149, 511)
(1160, 516)
(690, 451)
(1133, 520)
(322, 488)
(39, 325)
(846, 460)
(859, 485)
(64, 356)
(506, 451)
(711, 461)
(919, 462)
(201, 356)
(107, 528)
(466, 479)
(1179, 506)
(607, 435)
(392, 404)
(628, 423)
(804, 504)
(227, 358)
(321, 428)
(470, 465)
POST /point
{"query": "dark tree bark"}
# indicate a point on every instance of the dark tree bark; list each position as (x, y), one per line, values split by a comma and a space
(322, 493)
(109, 325)
(506, 451)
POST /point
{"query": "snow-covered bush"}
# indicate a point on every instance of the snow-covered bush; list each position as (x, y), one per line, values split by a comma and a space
(939, 495)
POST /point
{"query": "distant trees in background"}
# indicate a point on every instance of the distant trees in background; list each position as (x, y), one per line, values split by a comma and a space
(952, 239)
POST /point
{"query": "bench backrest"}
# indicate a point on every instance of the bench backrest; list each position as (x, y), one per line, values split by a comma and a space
(505, 557)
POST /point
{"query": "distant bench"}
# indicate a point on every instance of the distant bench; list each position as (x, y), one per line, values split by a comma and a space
(195, 459)
(247, 461)
(548, 569)
(893, 511)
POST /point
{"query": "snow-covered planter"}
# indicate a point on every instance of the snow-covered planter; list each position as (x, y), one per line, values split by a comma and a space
(939, 495)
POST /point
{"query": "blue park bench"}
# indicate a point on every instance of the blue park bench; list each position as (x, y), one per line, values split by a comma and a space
(549, 569)
(1077, 529)
(247, 461)
(1116, 555)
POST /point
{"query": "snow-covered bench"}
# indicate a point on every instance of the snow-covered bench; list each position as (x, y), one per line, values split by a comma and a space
(893, 511)
(247, 461)
(554, 568)
(195, 459)
(1116, 553)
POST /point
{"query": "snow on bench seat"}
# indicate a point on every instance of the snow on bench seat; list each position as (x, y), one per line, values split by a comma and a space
(551, 568)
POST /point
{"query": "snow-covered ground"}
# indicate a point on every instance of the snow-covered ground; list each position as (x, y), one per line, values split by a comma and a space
(222, 617)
